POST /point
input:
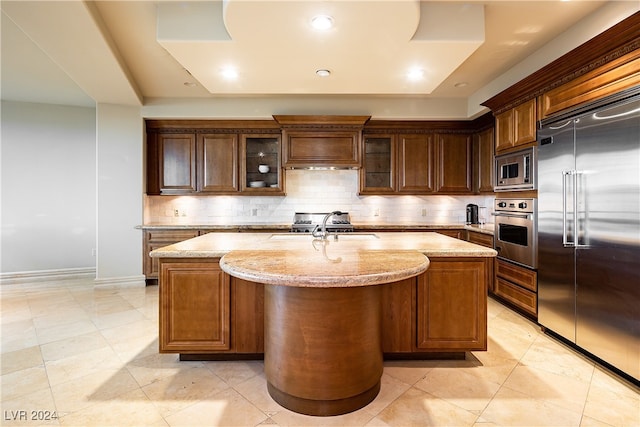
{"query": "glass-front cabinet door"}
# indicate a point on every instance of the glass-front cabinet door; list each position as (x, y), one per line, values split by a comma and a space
(377, 175)
(261, 167)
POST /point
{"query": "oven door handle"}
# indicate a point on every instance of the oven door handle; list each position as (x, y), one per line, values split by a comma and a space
(512, 215)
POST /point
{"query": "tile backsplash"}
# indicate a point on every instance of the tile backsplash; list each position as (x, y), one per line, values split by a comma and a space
(312, 191)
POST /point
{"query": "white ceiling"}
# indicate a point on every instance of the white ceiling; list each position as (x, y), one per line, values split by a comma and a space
(126, 52)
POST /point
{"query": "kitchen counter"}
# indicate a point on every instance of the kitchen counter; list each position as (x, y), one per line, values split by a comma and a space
(363, 226)
(215, 245)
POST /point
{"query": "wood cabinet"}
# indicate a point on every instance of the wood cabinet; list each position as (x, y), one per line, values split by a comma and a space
(454, 163)
(321, 141)
(194, 306)
(206, 314)
(516, 127)
(416, 164)
(213, 157)
(176, 163)
(260, 165)
(451, 305)
(217, 162)
(518, 287)
(483, 161)
(157, 239)
(486, 240)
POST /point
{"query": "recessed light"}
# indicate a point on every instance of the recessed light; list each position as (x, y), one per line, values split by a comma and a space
(189, 84)
(322, 22)
(461, 84)
(323, 73)
(230, 73)
(415, 74)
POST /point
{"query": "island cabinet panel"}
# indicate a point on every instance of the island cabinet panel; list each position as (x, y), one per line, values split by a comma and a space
(398, 324)
(247, 306)
(454, 154)
(194, 306)
(451, 305)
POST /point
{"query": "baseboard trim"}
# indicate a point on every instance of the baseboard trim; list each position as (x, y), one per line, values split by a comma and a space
(121, 281)
(39, 276)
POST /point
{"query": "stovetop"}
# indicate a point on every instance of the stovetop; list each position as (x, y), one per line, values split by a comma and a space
(307, 221)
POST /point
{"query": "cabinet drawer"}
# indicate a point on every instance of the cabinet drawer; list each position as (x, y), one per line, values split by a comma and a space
(519, 297)
(480, 239)
(518, 275)
(170, 235)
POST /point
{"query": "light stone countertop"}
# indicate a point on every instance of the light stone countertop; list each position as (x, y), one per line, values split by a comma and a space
(213, 245)
(297, 259)
(481, 228)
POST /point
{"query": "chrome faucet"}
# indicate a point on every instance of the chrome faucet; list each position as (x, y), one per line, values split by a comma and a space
(323, 234)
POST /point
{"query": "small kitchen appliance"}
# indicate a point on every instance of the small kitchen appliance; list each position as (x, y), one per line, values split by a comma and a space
(472, 214)
(306, 222)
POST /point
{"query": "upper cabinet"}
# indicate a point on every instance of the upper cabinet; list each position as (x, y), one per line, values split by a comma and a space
(213, 157)
(417, 164)
(483, 154)
(321, 141)
(516, 127)
(261, 167)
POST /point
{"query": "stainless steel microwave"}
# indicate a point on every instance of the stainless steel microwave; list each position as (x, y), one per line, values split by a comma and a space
(516, 171)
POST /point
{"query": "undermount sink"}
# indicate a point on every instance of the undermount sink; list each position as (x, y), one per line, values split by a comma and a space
(309, 236)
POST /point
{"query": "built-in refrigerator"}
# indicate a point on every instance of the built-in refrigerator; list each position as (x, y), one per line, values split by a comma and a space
(589, 229)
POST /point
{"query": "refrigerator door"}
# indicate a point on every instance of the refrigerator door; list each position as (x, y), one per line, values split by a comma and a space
(608, 246)
(556, 273)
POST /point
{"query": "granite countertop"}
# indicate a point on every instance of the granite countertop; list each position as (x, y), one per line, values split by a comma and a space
(325, 265)
(213, 245)
(481, 228)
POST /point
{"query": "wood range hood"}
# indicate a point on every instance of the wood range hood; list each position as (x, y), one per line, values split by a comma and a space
(321, 142)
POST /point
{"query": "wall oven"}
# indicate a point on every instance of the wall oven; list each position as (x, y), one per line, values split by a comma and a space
(516, 171)
(515, 231)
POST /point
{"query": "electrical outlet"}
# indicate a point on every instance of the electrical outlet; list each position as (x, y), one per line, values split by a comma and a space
(176, 212)
(376, 212)
(424, 212)
(254, 212)
(93, 252)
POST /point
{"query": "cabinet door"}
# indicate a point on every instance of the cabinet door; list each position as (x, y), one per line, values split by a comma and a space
(416, 161)
(260, 167)
(524, 123)
(484, 162)
(247, 300)
(504, 131)
(194, 306)
(452, 305)
(218, 163)
(454, 163)
(398, 311)
(377, 175)
(321, 148)
(177, 157)
(157, 239)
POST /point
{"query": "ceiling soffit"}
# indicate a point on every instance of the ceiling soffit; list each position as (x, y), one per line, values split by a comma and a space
(371, 48)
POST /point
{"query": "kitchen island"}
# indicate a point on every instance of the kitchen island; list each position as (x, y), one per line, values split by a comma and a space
(386, 306)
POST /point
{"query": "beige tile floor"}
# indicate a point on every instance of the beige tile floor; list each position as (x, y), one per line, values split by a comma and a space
(90, 355)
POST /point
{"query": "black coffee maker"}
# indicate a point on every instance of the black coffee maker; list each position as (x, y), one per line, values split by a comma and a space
(472, 214)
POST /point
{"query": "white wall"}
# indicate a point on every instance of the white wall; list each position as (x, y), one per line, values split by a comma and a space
(120, 189)
(48, 187)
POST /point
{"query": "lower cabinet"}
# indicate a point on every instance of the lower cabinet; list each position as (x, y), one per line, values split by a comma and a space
(451, 305)
(518, 286)
(205, 313)
(194, 306)
(155, 239)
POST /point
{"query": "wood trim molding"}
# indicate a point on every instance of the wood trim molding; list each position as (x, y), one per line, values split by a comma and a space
(618, 41)
(321, 122)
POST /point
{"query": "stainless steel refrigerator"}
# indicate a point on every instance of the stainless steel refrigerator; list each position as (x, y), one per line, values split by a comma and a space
(589, 229)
